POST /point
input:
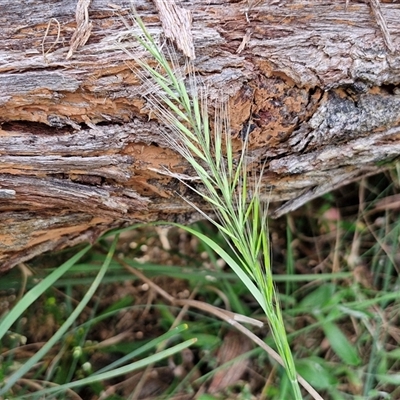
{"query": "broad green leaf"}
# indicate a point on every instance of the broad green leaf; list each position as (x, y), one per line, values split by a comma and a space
(206, 341)
(393, 354)
(340, 344)
(317, 372)
(392, 379)
(319, 298)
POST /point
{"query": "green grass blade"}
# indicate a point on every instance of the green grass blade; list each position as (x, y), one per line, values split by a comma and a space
(227, 191)
(231, 262)
(153, 343)
(7, 321)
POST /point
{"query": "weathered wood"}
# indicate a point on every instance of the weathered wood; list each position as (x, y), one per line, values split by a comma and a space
(317, 84)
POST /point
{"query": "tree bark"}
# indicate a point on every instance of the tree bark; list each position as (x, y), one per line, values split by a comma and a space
(316, 84)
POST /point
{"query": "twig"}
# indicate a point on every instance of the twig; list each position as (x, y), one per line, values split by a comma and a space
(45, 36)
(229, 316)
(245, 40)
(83, 27)
(39, 385)
(381, 21)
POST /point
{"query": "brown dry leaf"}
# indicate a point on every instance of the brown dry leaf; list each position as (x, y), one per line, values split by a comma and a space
(234, 344)
(156, 383)
(363, 276)
(245, 40)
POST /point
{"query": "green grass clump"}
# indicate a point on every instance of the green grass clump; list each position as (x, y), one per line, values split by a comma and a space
(59, 376)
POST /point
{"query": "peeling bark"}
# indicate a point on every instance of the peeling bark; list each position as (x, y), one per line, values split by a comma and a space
(316, 85)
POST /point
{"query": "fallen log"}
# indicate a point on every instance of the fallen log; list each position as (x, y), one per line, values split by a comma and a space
(315, 84)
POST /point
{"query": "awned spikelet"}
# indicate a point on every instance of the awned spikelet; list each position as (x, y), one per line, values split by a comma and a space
(178, 101)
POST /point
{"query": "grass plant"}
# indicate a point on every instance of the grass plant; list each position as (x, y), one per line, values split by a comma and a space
(207, 147)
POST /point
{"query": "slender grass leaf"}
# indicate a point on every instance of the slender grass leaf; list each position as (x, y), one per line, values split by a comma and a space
(143, 349)
(392, 379)
(231, 262)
